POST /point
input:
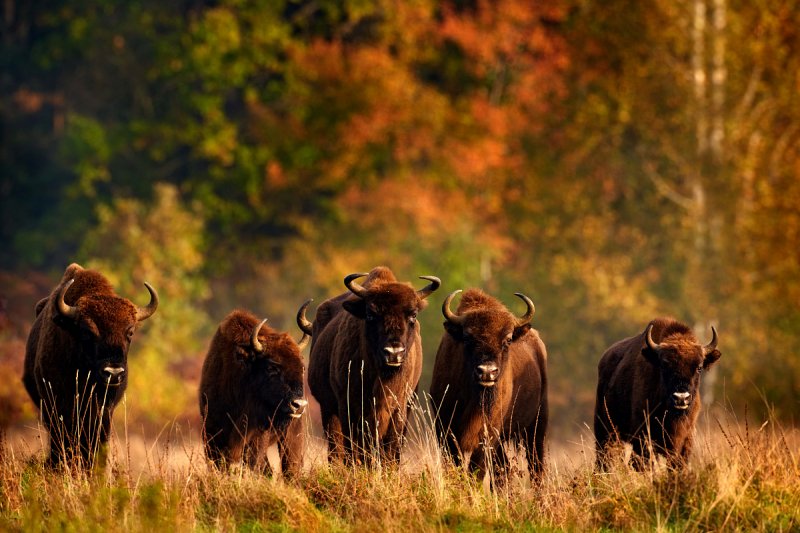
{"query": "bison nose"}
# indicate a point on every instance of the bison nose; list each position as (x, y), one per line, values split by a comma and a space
(487, 374)
(681, 399)
(113, 374)
(393, 355)
(298, 407)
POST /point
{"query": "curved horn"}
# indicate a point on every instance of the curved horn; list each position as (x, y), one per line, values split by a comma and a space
(649, 338)
(526, 318)
(257, 346)
(448, 314)
(303, 342)
(69, 311)
(143, 313)
(354, 287)
(711, 346)
(426, 291)
(304, 325)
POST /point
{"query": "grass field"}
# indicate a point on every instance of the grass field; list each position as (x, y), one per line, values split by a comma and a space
(741, 477)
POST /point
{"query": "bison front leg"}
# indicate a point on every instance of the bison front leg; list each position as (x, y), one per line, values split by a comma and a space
(290, 449)
(678, 459)
(451, 447)
(500, 466)
(93, 438)
(393, 439)
(477, 462)
(254, 453)
(604, 434)
(58, 432)
(332, 425)
(534, 451)
(640, 453)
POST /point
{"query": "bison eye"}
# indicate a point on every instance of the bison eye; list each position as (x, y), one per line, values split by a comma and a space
(412, 319)
(129, 333)
(699, 369)
(273, 369)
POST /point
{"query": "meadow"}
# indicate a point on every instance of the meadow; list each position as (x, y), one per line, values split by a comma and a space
(743, 476)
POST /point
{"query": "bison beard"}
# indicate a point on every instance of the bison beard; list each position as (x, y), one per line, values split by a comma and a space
(251, 394)
(648, 393)
(76, 361)
(489, 385)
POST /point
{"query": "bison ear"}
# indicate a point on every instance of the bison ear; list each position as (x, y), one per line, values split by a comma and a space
(357, 308)
(711, 358)
(651, 355)
(40, 305)
(455, 330)
(242, 354)
(519, 331)
(65, 323)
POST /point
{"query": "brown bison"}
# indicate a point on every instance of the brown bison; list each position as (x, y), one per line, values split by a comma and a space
(648, 392)
(489, 383)
(366, 362)
(251, 393)
(76, 360)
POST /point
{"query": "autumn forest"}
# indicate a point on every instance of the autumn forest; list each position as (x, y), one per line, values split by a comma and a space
(615, 161)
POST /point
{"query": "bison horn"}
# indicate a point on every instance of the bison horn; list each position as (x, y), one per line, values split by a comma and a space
(257, 346)
(69, 311)
(426, 291)
(526, 318)
(143, 313)
(354, 287)
(711, 346)
(304, 324)
(649, 337)
(448, 314)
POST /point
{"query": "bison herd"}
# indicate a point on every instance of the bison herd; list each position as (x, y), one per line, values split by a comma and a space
(489, 386)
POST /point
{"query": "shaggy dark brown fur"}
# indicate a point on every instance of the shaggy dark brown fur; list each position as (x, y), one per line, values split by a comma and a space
(511, 404)
(651, 397)
(251, 399)
(76, 367)
(365, 364)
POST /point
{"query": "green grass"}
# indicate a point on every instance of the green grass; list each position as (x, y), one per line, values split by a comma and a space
(739, 479)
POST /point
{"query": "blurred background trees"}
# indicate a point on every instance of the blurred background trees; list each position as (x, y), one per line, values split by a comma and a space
(615, 161)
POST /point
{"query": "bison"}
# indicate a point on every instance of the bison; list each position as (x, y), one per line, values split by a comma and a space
(251, 393)
(648, 392)
(489, 384)
(365, 364)
(76, 360)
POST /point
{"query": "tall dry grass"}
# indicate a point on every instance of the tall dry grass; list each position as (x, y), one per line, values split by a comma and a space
(743, 476)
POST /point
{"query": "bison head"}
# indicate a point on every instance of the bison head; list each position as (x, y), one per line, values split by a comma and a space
(486, 335)
(681, 362)
(273, 377)
(103, 326)
(389, 311)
